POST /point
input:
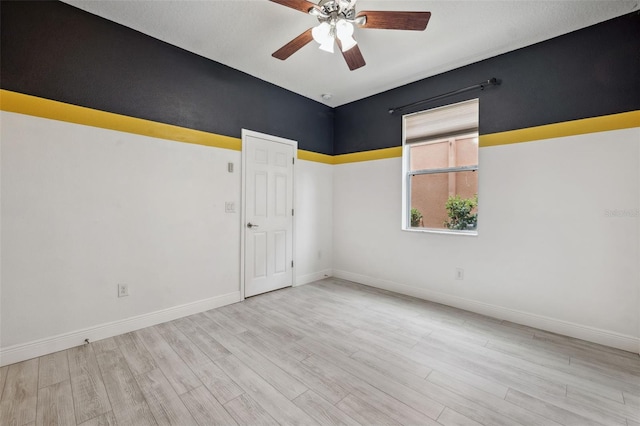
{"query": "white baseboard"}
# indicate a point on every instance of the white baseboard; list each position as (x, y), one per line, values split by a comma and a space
(24, 351)
(554, 325)
(309, 278)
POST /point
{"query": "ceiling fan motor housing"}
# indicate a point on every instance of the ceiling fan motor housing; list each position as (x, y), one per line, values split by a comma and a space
(331, 10)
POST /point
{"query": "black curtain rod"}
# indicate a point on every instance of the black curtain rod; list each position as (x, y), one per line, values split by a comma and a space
(491, 82)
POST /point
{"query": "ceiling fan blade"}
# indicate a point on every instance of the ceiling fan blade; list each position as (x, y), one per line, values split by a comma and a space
(387, 20)
(301, 5)
(353, 57)
(293, 46)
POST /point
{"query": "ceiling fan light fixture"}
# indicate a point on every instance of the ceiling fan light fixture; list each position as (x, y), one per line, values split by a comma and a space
(322, 32)
(327, 45)
(344, 32)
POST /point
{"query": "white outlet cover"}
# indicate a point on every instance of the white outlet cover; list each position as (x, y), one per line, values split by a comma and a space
(123, 290)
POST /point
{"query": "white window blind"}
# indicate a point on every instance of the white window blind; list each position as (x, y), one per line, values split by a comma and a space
(457, 118)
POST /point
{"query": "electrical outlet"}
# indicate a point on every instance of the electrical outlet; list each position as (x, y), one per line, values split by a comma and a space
(459, 274)
(123, 290)
(230, 207)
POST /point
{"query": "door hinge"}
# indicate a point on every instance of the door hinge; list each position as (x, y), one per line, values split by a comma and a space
(293, 160)
(292, 212)
(292, 263)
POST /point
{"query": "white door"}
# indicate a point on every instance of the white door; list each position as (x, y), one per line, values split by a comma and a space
(268, 164)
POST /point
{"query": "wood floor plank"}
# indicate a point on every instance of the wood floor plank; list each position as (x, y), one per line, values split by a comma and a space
(253, 318)
(594, 413)
(89, 393)
(459, 333)
(487, 400)
(613, 407)
(529, 353)
(329, 389)
(323, 411)
(128, 402)
(55, 405)
(166, 406)
(253, 323)
(290, 351)
(246, 411)
(399, 390)
(369, 343)
(177, 372)
(548, 409)
(135, 353)
(331, 352)
(106, 419)
(193, 327)
(574, 374)
(224, 321)
(507, 372)
(3, 378)
(631, 400)
(526, 375)
(618, 373)
(182, 345)
(364, 413)
(54, 368)
(442, 395)
(404, 333)
(453, 418)
(206, 410)
(289, 386)
(219, 384)
(458, 372)
(387, 402)
(19, 398)
(330, 308)
(387, 367)
(276, 404)
(589, 350)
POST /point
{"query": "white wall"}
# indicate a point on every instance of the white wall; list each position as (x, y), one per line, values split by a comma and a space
(546, 255)
(314, 221)
(84, 209)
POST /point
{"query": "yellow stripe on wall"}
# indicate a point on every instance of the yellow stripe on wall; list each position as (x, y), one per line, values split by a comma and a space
(46, 108)
(625, 120)
(315, 156)
(377, 154)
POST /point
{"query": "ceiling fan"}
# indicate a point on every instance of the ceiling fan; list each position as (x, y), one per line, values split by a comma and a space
(337, 19)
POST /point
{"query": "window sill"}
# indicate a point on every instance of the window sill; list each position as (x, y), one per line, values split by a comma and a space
(441, 231)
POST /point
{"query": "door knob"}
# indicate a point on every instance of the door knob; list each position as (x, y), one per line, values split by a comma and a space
(251, 225)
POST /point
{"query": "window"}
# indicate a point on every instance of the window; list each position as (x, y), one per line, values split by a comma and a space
(440, 169)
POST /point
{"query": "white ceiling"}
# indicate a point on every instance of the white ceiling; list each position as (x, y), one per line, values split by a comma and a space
(243, 33)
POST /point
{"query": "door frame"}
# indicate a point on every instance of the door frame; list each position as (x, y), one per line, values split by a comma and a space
(243, 216)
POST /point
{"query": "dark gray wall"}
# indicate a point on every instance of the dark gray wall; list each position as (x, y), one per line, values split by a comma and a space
(56, 51)
(591, 72)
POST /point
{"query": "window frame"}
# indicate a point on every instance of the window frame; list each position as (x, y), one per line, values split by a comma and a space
(407, 173)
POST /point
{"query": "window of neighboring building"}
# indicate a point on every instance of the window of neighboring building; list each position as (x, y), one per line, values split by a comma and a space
(440, 169)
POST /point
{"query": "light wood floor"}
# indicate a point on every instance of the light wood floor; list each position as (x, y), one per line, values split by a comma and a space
(331, 352)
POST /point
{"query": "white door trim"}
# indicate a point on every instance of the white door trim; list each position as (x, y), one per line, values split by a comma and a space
(243, 229)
